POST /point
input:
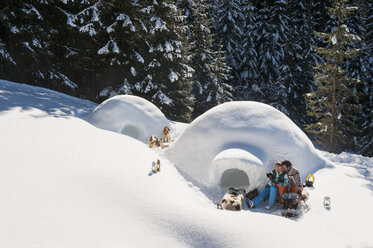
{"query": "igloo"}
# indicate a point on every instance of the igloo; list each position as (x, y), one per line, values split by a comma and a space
(236, 143)
(129, 115)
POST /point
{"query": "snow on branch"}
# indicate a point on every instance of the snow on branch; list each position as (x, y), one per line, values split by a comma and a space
(126, 21)
(108, 91)
(5, 54)
(89, 28)
(109, 45)
(154, 63)
(65, 79)
(139, 57)
(26, 44)
(14, 30)
(125, 88)
(30, 9)
(159, 24)
(162, 98)
(168, 46)
(173, 76)
(71, 18)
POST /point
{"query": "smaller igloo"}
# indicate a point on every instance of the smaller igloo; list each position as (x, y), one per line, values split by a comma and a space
(129, 115)
(237, 168)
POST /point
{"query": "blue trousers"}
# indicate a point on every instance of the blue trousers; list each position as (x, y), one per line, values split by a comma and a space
(272, 191)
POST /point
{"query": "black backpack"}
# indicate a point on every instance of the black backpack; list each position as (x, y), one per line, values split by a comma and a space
(252, 194)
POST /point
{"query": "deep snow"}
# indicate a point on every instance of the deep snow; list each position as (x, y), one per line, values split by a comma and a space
(66, 183)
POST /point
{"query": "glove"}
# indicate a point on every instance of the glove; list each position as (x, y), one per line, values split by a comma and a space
(299, 192)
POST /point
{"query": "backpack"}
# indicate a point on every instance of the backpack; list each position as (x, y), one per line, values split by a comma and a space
(252, 194)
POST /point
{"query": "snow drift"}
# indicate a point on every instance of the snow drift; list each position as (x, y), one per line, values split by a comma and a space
(241, 137)
(129, 115)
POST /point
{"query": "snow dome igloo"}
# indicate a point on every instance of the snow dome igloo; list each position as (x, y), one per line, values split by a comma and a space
(236, 143)
(129, 115)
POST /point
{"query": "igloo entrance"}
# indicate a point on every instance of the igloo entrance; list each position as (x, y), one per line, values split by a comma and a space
(132, 131)
(236, 168)
(234, 178)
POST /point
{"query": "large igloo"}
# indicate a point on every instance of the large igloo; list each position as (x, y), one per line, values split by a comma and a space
(129, 115)
(236, 143)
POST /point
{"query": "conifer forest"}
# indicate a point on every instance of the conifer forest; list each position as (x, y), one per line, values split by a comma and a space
(310, 59)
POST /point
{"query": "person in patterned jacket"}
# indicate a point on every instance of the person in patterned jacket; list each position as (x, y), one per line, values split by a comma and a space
(295, 181)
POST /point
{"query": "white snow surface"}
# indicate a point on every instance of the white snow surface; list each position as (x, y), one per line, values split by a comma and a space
(130, 115)
(25, 98)
(260, 130)
(66, 183)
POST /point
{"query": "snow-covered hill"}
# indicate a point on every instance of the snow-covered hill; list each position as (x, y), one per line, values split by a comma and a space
(66, 183)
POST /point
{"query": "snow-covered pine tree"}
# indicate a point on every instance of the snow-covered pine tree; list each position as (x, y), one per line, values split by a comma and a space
(28, 32)
(332, 104)
(229, 25)
(297, 70)
(120, 47)
(357, 67)
(210, 75)
(7, 63)
(320, 15)
(221, 89)
(273, 35)
(165, 78)
(367, 98)
(249, 66)
(78, 39)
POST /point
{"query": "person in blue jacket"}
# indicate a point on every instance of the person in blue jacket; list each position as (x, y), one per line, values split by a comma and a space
(278, 178)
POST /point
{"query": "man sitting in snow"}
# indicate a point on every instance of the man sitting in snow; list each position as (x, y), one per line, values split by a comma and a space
(295, 181)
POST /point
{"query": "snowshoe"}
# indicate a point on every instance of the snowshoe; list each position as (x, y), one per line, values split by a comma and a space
(289, 214)
(249, 203)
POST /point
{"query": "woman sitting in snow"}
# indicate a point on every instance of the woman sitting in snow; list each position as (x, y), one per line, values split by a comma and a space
(277, 182)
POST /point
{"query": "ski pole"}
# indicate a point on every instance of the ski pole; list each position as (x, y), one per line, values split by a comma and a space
(304, 201)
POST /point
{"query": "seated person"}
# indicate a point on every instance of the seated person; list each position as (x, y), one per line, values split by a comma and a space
(278, 178)
(295, 181)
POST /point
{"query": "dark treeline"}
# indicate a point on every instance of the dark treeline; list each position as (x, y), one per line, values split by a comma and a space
(187, 56)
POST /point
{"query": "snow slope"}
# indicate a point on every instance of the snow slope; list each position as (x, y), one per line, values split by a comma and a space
(52, 103)
(66, 183)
